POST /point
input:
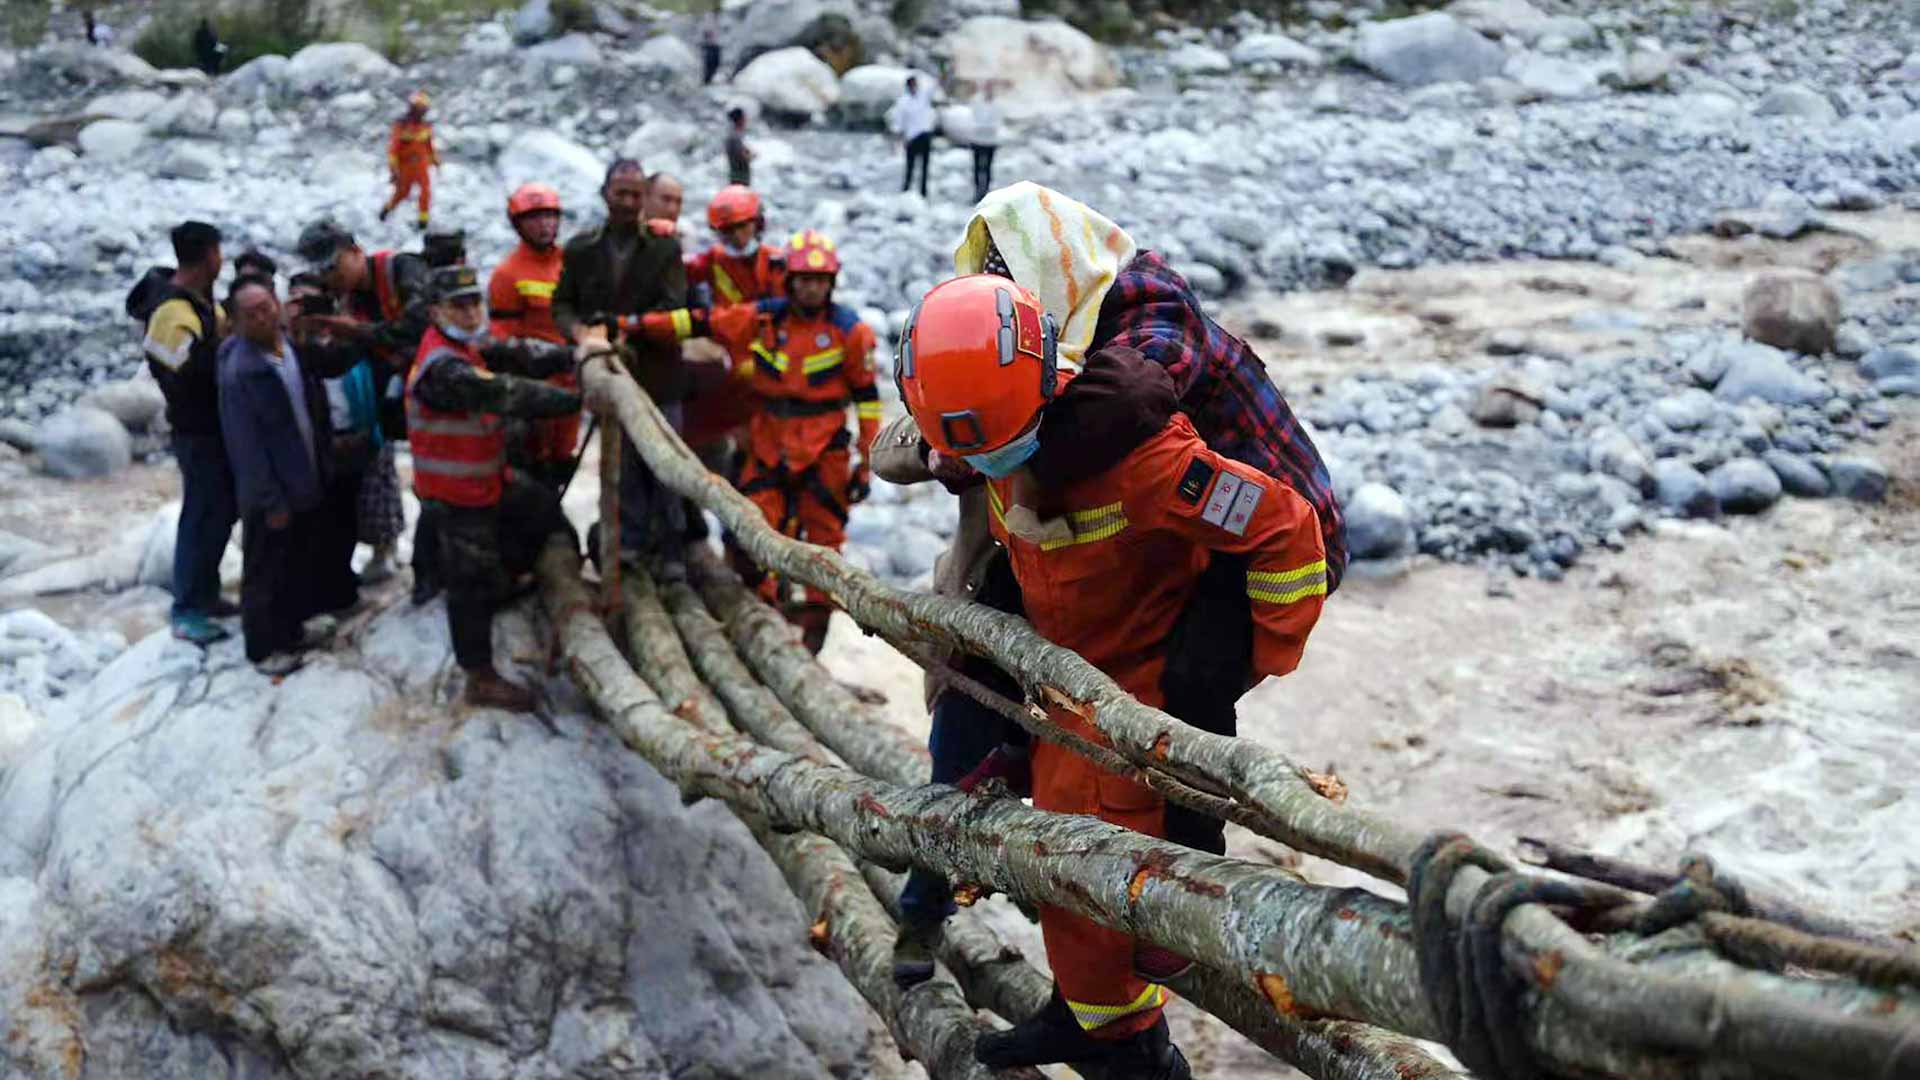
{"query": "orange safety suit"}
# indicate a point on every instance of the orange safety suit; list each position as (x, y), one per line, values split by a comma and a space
(520, 301)
(805, 371)
(410, 158)
(1107, 575)
(733, 280)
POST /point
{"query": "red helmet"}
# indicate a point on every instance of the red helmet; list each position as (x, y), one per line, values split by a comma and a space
(733, 204)
(419, 100)
(978, 360)
(810, 252)
(529, 198)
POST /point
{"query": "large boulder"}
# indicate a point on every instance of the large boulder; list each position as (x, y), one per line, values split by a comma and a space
(112, 140)
(1552, 77)
(1041, 66)
(1903, 135)
(554, 159)
(1891, 362)
(76, 63)
(335, 64)
(576, 50)
(1429, 48)
(1194, 59)
(260, 75)
(83, 442)
(1794, 311)
(189, 161)
(205, 874)
(126, 104)
(779, 24)
(1800, 101)
(190, 113)
(1757, 372)
(791, 81)
(1379, 524)
(1276, 50)
(668, 55)
(534, 21)
(137, 402)
(1501, 18)
(866, 92)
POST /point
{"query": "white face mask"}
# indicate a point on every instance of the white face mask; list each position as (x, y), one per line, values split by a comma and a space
(745, 250)
(460, 334)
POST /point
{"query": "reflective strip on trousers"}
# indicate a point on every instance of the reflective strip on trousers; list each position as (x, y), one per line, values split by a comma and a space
(1097, 1016)
(1288, 586)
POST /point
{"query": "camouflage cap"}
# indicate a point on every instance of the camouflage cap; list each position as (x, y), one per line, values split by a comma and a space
(454, 282)
(320, 241)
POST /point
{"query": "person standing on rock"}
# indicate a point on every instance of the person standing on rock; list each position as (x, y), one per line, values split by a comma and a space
(411, 157)
(207, 47)
(493, 522)
(183, 332)
(383, 305)
(1125, 316)
(710, 45)
(273, 411)
(984, 132)
(626, 268)
(520, 300)
(739, 154)
(912, 118)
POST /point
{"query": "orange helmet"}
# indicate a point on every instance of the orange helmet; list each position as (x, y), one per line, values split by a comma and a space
(810, 252)
(978, 360)
(419, 100)
(732, 205)
(530, 198)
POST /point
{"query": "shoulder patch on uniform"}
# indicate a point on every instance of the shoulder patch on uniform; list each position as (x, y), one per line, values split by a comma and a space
(1220, 503)
(1193, 483)
(1244, 503)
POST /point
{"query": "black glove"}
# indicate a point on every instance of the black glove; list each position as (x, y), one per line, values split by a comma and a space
(860, 486)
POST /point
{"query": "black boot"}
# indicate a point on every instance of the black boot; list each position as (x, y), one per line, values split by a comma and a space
(1052, 1036)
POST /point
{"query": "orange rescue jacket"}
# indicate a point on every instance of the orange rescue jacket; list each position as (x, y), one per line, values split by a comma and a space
(411, 146)
(520, 294)
(806, 369)
(735, 279)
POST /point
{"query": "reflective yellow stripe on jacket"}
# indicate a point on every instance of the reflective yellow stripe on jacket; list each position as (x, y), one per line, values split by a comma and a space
(1095, 1016)
(822, 362)
(723, 283)
(1288, 586)
(1089, 526)
(776, 360)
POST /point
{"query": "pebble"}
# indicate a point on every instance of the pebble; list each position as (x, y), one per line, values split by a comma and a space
(1858, 478)
(1798, 476)
(1745, 486)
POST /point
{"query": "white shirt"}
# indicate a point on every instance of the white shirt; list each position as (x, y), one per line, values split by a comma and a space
(912, 114)
(287, 366)
(986, 123)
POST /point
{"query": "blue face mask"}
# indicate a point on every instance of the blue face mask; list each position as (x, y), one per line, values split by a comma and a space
(1007, 460)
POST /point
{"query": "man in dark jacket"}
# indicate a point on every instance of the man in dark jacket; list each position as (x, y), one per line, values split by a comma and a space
(493, 522)
(629, 267)
(183, 331)
(274, 414)
(207, 47)
(384, 300)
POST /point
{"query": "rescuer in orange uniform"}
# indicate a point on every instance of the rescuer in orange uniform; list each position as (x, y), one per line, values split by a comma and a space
(1105, 566)
(738, 269)
(520, 300)
(411, 156)
(809, 359)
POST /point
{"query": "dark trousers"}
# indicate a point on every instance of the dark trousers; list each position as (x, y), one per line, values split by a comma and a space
(207, 514)
(1209, 663)
(653, 518)
(426, 546)
(964, 733)
(277, 582)
(982, 171)
(709, 62)
(920, 149)
(483, 550)
(336, 585)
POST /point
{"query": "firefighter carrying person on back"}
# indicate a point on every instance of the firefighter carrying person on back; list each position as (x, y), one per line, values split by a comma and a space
(492, 521)
(810, 359)
(1106, 565)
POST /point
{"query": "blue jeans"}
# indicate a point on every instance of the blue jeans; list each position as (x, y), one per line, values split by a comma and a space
(964, 733)
(207, 514)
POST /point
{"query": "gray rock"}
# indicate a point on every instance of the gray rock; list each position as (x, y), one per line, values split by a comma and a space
(1797, 475)
(868, 91)
(260, 75)
(1198, 60)
(83, 442)
(569, 50)
(792, 81)
(1899, 386)
(1428, 48)
(1325, 97)
(1207, 280)
(1612, 452)
(666, 53)
(1763, 373)
(189, 161)
(137, 402)
(1501, 406)
(1889, 362)
(913, 550)
(1903, 135)
(1644, 69)
(112, 140)
(1858, 478)
(17, 433)
(1688, 410)
(335, 64)
(1680, 488)
(1745, 486)
(1379, 524)
(776, 24)
(127, 104)
(1851, 341)
(1792, 311)
(1551, 77)
(550, 158)
(1797, 100)
(191, 113)
(1502, 18)
(534, 22)
(1276, 50)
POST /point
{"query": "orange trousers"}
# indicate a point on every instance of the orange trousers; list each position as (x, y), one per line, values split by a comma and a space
(1092, 964)
(810, 505)
(408, 178)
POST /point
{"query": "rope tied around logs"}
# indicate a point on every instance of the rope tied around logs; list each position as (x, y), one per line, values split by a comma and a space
(1478, 997)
